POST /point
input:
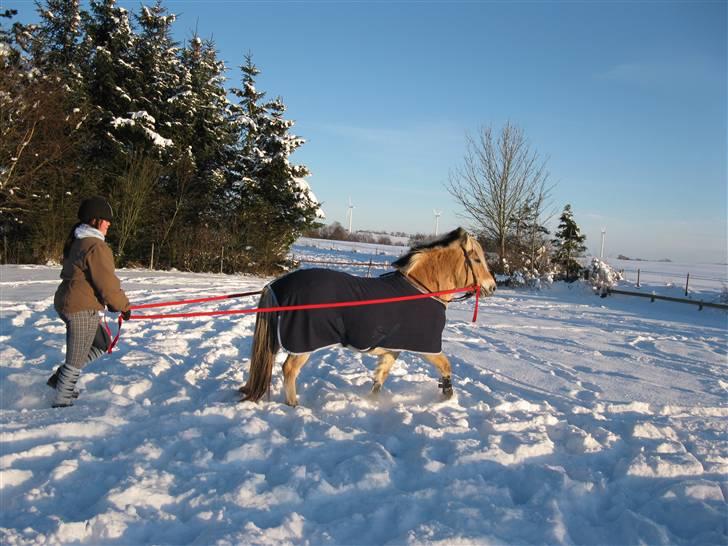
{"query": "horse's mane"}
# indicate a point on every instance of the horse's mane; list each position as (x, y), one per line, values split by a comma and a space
(406, 262)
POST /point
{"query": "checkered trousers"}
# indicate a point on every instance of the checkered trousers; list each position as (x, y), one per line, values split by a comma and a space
(86, 338)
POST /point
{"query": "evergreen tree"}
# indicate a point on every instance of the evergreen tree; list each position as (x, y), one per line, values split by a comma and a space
(9, 52)
(110, 76)
(568, 244)
(274, 201)
(159, 72)
(208, 134)
(204, 148)
(56, 47)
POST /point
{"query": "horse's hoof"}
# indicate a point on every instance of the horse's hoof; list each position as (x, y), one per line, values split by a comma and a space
(376, 388)
(446, 385)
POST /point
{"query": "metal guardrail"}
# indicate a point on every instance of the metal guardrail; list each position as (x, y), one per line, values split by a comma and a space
(654, 297)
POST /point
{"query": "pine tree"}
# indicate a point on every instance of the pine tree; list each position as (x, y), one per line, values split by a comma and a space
(110, 75)
(159, 72)
(274, 201)
(204, 146)
(9, 52)
(568, 244)
(56, 48)
(207, 132)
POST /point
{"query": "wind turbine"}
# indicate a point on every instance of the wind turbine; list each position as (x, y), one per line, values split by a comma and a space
(350, 214)
(601, 252)
(437, 221)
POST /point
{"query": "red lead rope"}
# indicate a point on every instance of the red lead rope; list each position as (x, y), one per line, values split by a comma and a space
(358, 303)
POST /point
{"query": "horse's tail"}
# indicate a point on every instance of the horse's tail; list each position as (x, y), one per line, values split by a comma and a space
(265, 347)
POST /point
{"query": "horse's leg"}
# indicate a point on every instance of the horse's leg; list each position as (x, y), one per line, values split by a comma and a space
(441, 362)
(291, 367)
(386, 361)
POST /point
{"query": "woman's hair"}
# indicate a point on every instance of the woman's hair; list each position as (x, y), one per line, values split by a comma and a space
(69, 240)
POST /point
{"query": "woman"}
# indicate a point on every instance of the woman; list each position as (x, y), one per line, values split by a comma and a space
(89, 285)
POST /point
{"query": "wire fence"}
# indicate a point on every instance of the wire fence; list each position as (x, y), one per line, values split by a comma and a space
(687, 280)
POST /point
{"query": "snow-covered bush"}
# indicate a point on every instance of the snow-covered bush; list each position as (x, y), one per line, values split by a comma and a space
(529, 278)
(601, 275)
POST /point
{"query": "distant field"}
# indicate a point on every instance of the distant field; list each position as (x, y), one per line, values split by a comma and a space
(707, 281)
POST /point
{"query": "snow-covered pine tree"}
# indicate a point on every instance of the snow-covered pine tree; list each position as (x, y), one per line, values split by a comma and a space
(160, 76)
(208, 134)
(204, 148)
(275, 202)
(56, 45)
(568, 245)
(110, 76)
(9, 53)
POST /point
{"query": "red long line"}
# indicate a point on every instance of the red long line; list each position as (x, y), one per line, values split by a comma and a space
(332, 305)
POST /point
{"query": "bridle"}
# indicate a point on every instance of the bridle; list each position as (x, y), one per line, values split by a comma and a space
(468, 267)
(469, 270)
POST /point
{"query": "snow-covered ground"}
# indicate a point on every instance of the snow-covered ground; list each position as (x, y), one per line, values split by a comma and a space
(576, 420)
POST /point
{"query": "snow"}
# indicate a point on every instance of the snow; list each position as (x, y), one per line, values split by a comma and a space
(576, 420)
(141, 118)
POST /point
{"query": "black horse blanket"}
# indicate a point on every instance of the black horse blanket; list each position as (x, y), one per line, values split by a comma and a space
(414, 325)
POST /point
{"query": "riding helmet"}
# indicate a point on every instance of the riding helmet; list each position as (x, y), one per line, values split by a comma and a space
(95, 207)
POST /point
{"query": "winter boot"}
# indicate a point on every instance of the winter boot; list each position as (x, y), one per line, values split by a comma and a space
(65, 384)
(53, 381)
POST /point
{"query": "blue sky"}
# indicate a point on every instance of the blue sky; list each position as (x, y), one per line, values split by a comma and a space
(626, 99)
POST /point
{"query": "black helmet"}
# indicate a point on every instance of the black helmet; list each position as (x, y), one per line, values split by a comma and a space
(95, 207)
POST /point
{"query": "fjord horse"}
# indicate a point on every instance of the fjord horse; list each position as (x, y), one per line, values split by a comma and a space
(454, 261)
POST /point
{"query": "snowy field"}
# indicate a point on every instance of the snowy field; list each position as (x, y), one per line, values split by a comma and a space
(576, 420)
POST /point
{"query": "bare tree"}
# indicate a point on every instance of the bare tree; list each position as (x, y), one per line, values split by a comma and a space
(131, 193)
(38, 141)
(498, 176)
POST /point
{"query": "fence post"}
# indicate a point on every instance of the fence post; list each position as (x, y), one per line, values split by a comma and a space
(638, 277)
(687, 282)
(370, 267)
(151, 260)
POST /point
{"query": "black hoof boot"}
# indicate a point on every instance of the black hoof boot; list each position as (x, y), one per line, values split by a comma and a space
(446, 385)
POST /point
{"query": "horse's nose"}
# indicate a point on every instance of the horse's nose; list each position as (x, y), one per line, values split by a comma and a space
(489, 287)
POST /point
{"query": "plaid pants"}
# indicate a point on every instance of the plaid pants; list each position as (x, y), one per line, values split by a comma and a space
(86, 338)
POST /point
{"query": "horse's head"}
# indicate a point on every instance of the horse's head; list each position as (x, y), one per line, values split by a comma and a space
(456, 260)
(475, 256)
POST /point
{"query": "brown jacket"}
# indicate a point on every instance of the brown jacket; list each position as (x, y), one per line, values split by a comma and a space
(89, 282)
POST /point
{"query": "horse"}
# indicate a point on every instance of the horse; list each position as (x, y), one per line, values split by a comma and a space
(454, 261)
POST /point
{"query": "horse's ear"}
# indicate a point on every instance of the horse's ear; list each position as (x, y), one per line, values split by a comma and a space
(465, 239)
